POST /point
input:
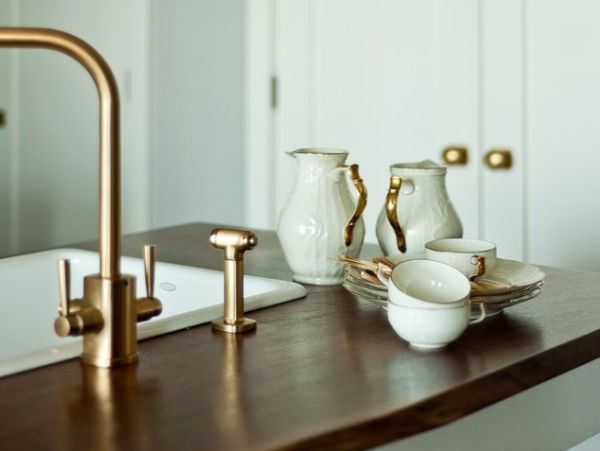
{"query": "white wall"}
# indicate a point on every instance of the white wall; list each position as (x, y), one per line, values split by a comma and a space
(196, 170)
(198, 111)
(5, 135)
(58, 121)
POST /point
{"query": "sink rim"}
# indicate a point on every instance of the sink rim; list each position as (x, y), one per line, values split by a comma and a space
(286, 291)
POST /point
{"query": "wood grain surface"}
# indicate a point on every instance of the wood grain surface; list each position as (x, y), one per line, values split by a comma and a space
(325, 372)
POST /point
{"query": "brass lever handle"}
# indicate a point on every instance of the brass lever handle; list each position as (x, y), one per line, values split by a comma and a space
(455, 156)
(149, 306)
(499, 159)
(391, 211)
(73, 318)
(149, 266)
(64, 286)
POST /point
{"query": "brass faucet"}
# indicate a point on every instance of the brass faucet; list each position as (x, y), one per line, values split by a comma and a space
(233, 243)
(108, 313)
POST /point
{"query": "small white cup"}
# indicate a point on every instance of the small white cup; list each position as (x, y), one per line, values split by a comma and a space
(428, 302)
(431, 328)
(426, 284)
(471, 257)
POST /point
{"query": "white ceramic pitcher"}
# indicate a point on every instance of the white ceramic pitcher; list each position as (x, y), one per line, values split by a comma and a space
(417, 209)
(320, 220)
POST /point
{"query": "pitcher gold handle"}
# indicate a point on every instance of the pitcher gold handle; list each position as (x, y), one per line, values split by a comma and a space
(391, 210)
(361, 203)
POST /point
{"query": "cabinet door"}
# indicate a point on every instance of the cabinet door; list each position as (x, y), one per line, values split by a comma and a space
(502, 126)
(562, 112)
(391, 81)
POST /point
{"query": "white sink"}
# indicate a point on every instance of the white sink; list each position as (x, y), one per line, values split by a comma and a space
(29, 296)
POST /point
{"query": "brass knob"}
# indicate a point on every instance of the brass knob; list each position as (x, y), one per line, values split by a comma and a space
(455, 156)
(498, 159)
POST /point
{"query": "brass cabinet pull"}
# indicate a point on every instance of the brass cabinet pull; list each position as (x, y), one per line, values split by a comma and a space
(455, 156)
(499, 159)
(391, 211)
(361, 203)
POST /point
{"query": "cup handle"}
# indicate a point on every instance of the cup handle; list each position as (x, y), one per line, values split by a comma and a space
(391, 211)
(481, 316)
(381, 276)
(480, 264)
(361, 200)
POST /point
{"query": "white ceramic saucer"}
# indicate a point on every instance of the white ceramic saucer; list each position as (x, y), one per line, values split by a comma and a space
(509, 283)
(491, 308)
(506, 277)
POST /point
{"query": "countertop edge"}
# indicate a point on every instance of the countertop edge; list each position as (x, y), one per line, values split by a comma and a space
(435, 412)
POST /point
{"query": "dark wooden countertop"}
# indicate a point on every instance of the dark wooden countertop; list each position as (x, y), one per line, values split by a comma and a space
(324, 372)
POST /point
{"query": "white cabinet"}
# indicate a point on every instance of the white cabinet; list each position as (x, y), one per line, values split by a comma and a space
(391, 82)
(562, 96)
(400, 80)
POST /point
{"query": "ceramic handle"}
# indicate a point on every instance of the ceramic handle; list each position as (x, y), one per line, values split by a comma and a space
(391, 211)
(361, 203)
(383, 274)
(481, 316)
(479, 263)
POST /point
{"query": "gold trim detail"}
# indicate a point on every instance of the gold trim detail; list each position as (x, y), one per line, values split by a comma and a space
(391, 211)
(361, 203)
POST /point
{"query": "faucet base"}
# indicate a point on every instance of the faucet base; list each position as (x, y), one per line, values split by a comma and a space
(242, 325)
(109, 363)
(115, 343)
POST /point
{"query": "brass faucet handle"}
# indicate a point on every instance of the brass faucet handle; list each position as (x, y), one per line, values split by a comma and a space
(64, 286)
(66, 305)
(149, 267)
(149, 306)
(73, 318)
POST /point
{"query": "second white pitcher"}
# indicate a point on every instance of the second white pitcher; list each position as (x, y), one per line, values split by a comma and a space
(417, 209)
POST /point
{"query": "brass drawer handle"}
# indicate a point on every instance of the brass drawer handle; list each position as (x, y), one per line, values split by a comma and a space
(499, 159)
(455, 156)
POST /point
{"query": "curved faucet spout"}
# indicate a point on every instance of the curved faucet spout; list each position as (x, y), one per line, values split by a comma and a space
(110, 196)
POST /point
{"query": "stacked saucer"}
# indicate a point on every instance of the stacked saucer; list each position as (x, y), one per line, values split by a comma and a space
(509, 283)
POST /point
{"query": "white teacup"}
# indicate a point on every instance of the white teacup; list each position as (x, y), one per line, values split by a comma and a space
(431, 328)
(426, 284)
(471, 257)
(429, 303)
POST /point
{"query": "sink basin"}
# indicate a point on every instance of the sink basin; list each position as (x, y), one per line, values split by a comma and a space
(29, 293)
